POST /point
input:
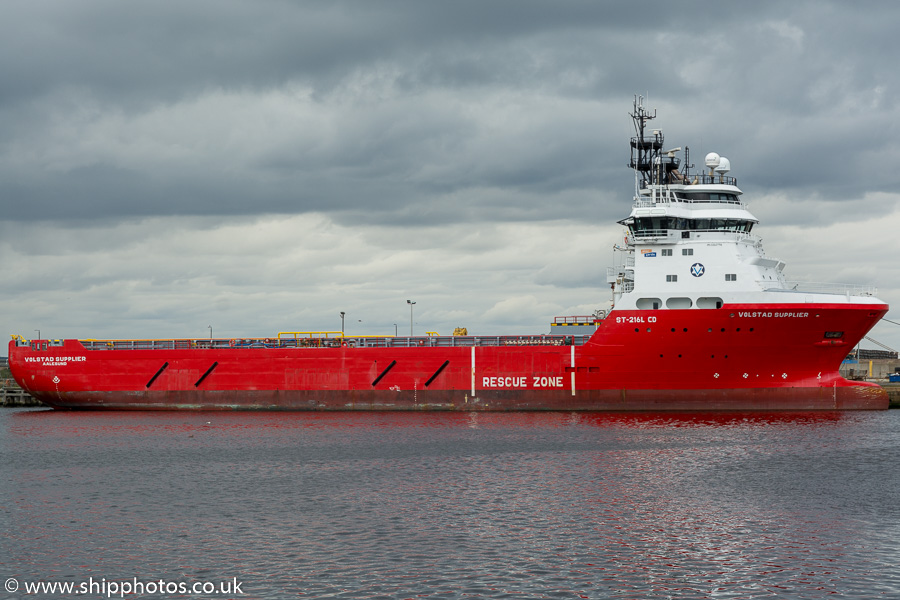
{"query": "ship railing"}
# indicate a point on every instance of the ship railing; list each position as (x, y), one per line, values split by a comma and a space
(673, 235)
(707, 179)
(576, 320)
(667, 196)
(449, 341)
(650, 202)
(614, 274)
(178, 344)
(625, 256)
(310, 334)
(648, 234)
(845, 289)
(698, 179)
(383, 341)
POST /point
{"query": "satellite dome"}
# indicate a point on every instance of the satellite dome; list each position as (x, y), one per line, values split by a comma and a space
(712, 160)
(724, 166)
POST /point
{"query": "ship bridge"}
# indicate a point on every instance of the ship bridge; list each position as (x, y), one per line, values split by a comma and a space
(672, 213)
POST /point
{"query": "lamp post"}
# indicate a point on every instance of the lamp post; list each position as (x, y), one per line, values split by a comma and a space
(395, 330)
(210, 332)
(342, 323)
(410, 302)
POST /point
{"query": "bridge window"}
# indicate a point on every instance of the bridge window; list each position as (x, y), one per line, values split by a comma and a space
(713, 197)
(659, 224)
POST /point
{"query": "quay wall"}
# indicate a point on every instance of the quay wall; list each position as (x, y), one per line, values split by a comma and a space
(875, 369)
(13, 395)
(893, 390)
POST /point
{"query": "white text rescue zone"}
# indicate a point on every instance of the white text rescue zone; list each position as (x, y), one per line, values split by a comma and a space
(522, 382)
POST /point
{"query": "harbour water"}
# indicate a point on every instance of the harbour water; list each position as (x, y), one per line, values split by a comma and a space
(439, 505)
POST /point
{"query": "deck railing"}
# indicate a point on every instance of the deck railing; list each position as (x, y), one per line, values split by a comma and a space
(675, 235)
(445, 341)
(846, 289)
(576, 320)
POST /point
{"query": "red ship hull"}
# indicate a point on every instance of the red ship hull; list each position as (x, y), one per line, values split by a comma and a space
(739, 357)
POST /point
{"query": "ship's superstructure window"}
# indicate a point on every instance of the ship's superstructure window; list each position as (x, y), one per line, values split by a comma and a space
(678, 303)
(667, 252)
(649, 303)
(706, 197)
(709, 302)
(671, 278)
(687, 251)
(645, 225)
(730, 276)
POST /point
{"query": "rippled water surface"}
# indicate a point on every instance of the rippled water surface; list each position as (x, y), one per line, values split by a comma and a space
(524, 505)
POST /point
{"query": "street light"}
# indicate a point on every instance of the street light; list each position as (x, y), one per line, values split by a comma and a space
(210, 332)
(410, 302)
(342, 323)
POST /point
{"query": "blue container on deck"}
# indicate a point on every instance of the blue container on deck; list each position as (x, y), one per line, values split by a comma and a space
(894, 378)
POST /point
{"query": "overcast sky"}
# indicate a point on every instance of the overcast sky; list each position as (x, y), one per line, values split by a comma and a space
(261, 166)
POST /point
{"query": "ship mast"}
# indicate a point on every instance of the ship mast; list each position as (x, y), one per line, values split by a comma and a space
(652, 165)
(644, 148)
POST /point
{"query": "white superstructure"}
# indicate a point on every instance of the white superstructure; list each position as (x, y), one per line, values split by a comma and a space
(690, 243)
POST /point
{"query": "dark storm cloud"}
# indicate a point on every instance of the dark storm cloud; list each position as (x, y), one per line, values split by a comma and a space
(70, 65)
(403, 106)
(166, 50)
